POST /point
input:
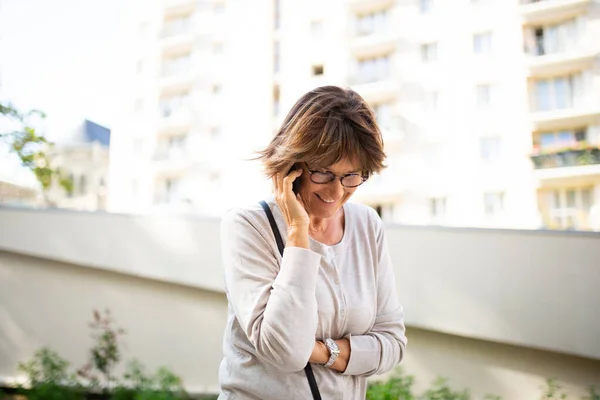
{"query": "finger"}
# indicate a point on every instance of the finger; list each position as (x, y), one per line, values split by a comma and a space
(288, 181)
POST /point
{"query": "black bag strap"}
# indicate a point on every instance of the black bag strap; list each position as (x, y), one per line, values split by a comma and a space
(312, 382)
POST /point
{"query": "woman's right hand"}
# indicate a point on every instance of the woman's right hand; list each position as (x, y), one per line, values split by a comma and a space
(292, 207)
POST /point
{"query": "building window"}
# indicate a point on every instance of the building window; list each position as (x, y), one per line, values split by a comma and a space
(383, 114)
(437, 207)
(426, 6)
(215, 133)
(482, 43)
(317, 70)
(493, 203)
(373, 69)
(219, 8)
(570, 208)
(276, 100)
(316, 29)
(550, 39)
(276, 57)
(216, 89)
(139, 105)
(490, 148)
(483, 95)
(553, 141)
(276, 14)
(367, 24)
(176, 26)
(558, 93)
(432, 101)
(173, 104)
(176, 64)
(217, 48)
(429, 52)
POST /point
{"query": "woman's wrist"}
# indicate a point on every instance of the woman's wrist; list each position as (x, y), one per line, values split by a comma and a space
(298, 236)
(320, 354)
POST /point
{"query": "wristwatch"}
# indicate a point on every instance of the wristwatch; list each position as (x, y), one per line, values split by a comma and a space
(334, 351)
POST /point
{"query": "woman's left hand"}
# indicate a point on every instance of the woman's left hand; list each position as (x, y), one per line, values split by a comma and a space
(320, 354)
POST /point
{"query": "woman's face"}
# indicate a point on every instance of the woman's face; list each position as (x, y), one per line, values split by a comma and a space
(324, 200)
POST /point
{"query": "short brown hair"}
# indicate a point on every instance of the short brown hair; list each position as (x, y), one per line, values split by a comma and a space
(326, 125)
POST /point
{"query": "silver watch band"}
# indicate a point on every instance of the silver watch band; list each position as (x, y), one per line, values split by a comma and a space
(334, 351)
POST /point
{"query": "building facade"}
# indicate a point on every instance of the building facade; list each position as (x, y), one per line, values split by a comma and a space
(489, 109)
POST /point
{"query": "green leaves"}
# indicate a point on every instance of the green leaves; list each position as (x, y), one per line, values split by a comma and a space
(49, 376)
(31, 147)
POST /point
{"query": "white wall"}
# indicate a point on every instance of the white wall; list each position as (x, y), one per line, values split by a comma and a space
(502, 310)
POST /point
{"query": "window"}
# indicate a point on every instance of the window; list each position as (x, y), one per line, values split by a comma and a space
(276, 100)
(482, 43)
(316, 28)
(317, 70)
(276, 57)
(219, 8)
(429, 52)
(437, 207)
(217, 48)
(558, 93)
(276, 14)
(367, 24)
(483, 95)
(432, 101)
(493, 203)
(216, 89)
(561, 139)
(570, 208)
(373, 69)
(176, 26)
(176, 64)
(82, 185)
(383, 114)
(215, 133)
(549, 39)
(426, 6)
(491, 148)
(139, 105)
(173, 104)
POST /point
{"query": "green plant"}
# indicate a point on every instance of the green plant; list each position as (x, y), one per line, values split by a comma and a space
(48, 377)
(105, 354)
(397, 387)
(552, 390)
(30, 146)
(592, 394)
(442, 391)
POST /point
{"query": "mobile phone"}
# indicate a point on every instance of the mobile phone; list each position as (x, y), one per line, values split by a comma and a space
(296, 184)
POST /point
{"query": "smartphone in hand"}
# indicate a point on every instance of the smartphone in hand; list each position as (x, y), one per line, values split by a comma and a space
(296, 184)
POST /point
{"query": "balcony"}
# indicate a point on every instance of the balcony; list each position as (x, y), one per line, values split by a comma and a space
(178, 7)
(564, 118)
(177, 38)
(567, 164)
(544, 63)
(548, 11)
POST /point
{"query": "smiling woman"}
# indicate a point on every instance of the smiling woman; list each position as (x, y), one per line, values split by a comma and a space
(326, 303)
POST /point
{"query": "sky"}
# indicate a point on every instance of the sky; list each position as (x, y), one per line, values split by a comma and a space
(68, 58)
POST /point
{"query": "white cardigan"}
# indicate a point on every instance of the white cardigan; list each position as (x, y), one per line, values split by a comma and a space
(279, 306)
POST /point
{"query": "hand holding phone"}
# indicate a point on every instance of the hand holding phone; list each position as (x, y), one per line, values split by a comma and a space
(286, 189)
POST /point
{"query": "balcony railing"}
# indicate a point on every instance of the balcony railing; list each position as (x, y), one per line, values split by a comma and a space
(567, 158)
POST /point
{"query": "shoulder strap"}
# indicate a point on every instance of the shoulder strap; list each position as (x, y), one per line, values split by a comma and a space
(312, 382)
(274, 228)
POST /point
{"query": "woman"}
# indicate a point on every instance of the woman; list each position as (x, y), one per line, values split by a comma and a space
(331, 299)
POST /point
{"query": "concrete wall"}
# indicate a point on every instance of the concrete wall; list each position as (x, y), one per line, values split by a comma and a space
(494, 311)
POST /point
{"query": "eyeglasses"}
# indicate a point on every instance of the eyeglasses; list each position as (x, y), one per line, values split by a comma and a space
(348, 180)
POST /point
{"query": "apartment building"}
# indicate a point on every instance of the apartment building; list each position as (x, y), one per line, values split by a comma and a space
(474, 98)
(201, 104)
(563, 78)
